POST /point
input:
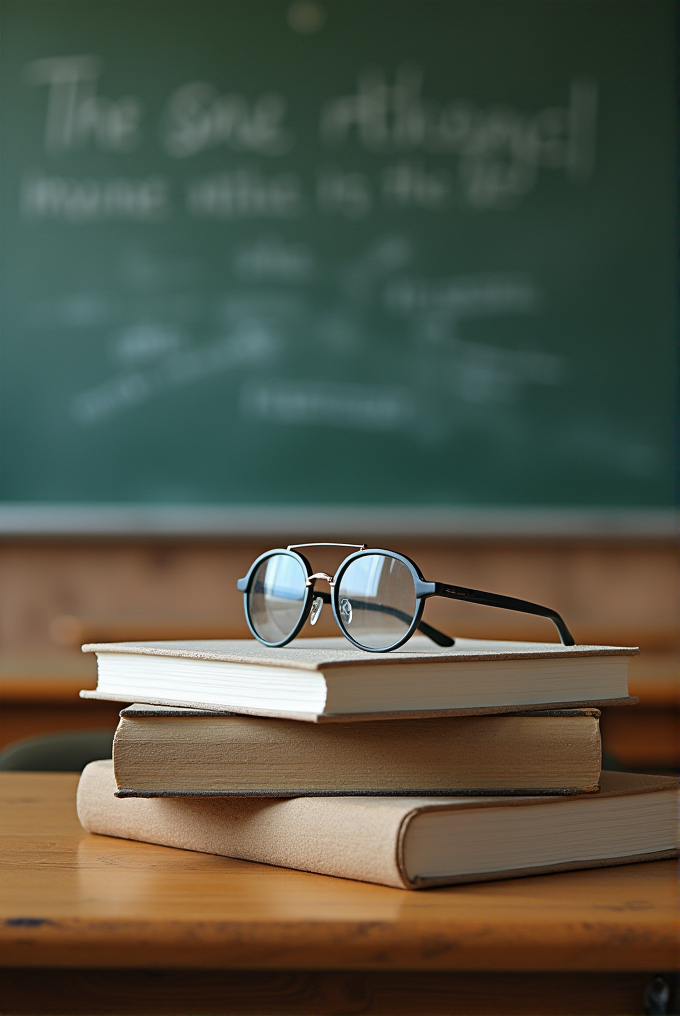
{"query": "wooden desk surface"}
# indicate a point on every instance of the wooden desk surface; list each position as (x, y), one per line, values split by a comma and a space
(71, 899)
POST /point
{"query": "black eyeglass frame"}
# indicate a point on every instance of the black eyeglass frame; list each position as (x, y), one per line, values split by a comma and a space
(423, 590)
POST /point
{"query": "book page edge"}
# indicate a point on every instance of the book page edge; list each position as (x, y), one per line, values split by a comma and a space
(431, 883)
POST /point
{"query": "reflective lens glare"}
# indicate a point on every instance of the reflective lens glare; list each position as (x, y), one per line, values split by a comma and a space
(377, 598)
(277, 597)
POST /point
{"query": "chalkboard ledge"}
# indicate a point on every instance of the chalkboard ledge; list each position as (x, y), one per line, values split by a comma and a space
(321, 521)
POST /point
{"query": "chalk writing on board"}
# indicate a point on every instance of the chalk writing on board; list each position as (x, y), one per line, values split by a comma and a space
(357, 406)
(145, 341)
(197, 117)
(463, 296)
(348, 194)
(262, 329)
(500, 149)
(247, 347)
(246, 193)
(273, 258)
(87, 199)
(410, 184)
(76, 114)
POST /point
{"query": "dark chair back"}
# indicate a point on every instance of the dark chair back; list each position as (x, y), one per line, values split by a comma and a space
(57, 753)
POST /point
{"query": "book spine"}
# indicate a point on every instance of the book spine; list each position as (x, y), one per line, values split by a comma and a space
(347, 837)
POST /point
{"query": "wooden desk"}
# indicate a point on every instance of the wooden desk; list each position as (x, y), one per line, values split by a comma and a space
(103, 926)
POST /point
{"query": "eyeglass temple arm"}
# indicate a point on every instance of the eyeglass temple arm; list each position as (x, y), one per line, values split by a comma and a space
(434, 634)
(508, 603)
(437, 636)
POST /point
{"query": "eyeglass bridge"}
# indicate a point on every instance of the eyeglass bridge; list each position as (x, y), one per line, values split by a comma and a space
(322, 574)
(297, 546)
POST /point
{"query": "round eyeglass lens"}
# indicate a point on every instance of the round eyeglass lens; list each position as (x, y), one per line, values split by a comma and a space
(277, 597)
(377, 600)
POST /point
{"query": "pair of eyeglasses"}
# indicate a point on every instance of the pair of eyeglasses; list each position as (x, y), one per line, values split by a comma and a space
(377, 596)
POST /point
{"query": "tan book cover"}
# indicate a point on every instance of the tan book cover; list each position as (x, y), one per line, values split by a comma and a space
(403, 841)
(322, 680)
(158, 751)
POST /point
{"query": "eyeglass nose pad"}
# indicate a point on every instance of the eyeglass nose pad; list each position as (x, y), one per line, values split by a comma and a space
(315, 612)
(346, 610)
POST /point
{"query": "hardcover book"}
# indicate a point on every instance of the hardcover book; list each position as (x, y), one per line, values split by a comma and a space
(161, 751)
(327, 679)
(408, 842)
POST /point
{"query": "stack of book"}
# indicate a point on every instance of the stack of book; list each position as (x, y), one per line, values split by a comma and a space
(411, 768)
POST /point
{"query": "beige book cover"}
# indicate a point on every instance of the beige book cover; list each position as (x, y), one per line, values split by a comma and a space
(327, 680)
(158, 751)
(404, 842)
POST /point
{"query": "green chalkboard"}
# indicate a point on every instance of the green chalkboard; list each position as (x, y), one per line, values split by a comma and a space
(348, 251)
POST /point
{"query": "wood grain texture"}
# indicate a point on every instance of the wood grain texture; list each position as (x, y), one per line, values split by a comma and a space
(610, 592)
(655, 678)
(45, 677)
(644, 738)
(52, 592)
(69, 899)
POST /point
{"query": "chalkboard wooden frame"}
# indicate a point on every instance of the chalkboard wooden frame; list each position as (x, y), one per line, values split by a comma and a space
(322, 521)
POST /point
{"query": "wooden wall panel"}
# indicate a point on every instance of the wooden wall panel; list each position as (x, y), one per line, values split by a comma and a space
(630, 591)
(56, 594)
